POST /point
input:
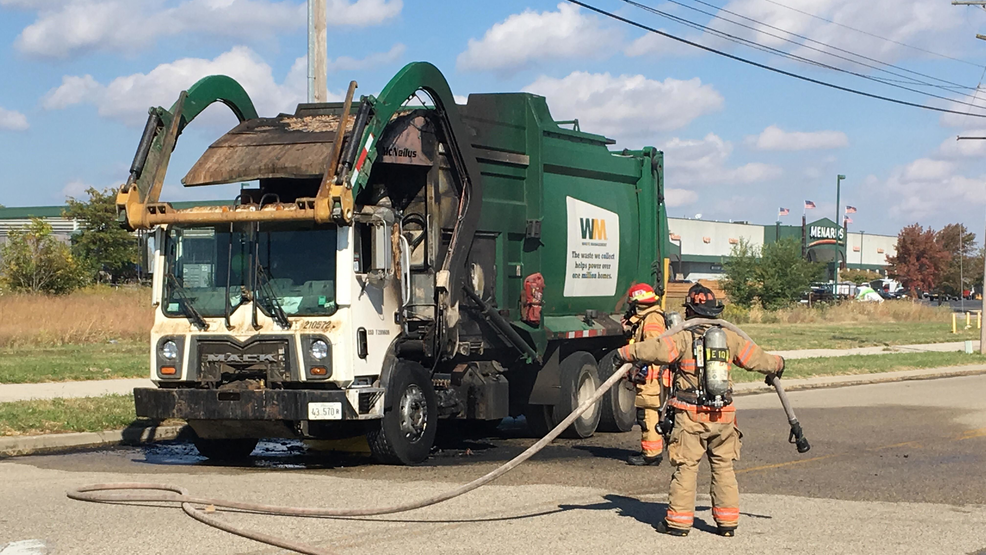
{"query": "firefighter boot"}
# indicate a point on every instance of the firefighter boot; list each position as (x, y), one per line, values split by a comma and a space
(726, 531)
(663, 528)
(644, 460)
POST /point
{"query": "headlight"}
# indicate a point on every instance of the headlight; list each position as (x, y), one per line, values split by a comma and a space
(319, 349)
(169, 350)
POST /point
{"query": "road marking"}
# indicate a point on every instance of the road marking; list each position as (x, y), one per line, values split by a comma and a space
(789, 463)
(25, 547)
(969, 434)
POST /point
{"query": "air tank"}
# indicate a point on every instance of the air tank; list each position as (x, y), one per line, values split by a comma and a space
(716, 366)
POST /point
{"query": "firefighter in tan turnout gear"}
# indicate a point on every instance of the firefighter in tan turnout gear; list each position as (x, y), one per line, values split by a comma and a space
(646, 321)
(704, 416)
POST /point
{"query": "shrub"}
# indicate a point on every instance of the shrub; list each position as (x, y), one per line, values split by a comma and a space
(34, 261)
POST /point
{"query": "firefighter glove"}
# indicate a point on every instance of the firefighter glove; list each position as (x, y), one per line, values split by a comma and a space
(639, 374)
(778, 373)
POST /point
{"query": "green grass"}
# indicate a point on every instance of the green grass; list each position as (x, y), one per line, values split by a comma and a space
(52, 416)
(73, 362)
(782, 337)
(865, 364)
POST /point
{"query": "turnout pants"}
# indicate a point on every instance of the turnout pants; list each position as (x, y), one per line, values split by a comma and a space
(649, 398)
(697, 434)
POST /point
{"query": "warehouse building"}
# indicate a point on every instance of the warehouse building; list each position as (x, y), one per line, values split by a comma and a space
(699, 247)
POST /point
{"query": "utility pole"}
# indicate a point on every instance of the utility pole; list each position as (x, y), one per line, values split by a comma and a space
(317, 64)
(982, 328)
(838, 193)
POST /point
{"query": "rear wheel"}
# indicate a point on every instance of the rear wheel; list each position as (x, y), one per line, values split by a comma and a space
(406, 433)
(617, 410)
(579, 381)
(225, 449)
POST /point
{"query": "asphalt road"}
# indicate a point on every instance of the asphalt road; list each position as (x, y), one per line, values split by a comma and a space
(894, 468)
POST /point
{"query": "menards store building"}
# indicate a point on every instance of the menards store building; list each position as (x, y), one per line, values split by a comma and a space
(699, 247)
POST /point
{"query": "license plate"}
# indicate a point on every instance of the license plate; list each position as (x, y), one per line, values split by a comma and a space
(325, 411)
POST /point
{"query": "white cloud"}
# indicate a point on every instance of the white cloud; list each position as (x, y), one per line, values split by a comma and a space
(76, 189)
(704, 161)
(919, 23)
(654, 46)
(628, 106)
(527, 38)
(969, 148)
(11, 120)
(775, 138)
(127, 98)
(346, 63)
(78, 26)
(929, 188)
(679, 197)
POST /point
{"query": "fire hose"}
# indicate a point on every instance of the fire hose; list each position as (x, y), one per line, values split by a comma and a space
(104, 493)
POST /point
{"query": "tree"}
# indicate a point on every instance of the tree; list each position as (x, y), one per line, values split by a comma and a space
(960, 244)
(919, 261)
(777, 275)
(859, 276)
(740, 270)
(33, 260)
(102, 243)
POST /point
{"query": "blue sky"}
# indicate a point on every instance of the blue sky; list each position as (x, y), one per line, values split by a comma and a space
(739, 141)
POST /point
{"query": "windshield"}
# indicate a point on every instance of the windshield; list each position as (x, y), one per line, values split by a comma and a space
(294, 264)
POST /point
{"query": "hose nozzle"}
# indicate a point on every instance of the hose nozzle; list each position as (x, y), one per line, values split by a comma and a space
(798, 438)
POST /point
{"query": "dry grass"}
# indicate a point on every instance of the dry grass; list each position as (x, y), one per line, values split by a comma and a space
(93, 315)
(842, 313)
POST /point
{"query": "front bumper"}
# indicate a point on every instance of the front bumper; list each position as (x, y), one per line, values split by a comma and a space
(264, 404)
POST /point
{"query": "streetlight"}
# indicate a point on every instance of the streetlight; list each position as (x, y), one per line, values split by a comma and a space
(838, 191)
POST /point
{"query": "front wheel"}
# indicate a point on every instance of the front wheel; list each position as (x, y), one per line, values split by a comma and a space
(579, 381)
(406, 432)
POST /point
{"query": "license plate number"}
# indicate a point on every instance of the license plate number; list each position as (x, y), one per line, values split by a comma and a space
(325, 411)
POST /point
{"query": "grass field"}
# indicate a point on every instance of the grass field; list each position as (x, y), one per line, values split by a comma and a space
(865, 364)
(783, 337)
(55, 363)
(90, 414)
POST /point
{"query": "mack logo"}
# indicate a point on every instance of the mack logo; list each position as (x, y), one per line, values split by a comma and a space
(593, 228)
(244, 358)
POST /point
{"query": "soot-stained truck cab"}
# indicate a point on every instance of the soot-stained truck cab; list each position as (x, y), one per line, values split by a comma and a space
(395, 267)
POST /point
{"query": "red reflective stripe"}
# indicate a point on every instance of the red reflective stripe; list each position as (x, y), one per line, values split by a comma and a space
(653, 327)
(653, 373)
(672, 349)
(683, 518)
(688, 364)
(666, 377)
(725, 511)
(657, 445)
(679, 404)
(625, 352)
(745, 354)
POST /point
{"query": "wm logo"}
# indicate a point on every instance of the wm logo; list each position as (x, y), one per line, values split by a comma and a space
(593, 229)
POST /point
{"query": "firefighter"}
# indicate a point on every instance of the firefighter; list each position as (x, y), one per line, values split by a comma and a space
(645, 321)
(702, 425)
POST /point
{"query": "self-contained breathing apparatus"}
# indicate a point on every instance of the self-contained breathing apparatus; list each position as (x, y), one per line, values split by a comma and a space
(712, 366)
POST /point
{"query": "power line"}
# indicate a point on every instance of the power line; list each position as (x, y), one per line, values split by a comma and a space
(788, 55)
(767, 67)
(872, 34)
(809, 39)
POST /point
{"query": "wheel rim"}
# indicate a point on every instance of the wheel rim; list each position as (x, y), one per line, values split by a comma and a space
(587, 388)
(626, 396)
(414, 413)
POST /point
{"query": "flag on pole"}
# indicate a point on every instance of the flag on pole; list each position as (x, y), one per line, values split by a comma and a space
(809, 204)
(850, 209)
(783, 211)
(848, 220)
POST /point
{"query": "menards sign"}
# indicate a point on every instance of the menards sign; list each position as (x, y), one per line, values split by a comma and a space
(821, 234)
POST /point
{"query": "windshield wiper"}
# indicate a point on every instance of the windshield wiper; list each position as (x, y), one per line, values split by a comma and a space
(266, 291)
(186, 304)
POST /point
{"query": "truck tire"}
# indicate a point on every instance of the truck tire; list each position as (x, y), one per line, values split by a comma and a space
(579, 380)
(406, 433)
(540, 419)
(225, 449)
(617, 411)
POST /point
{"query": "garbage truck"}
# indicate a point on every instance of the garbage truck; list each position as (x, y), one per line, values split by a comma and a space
(391, 264)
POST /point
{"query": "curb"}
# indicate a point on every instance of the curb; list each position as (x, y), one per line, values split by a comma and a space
(137, 435)
(756, 388)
